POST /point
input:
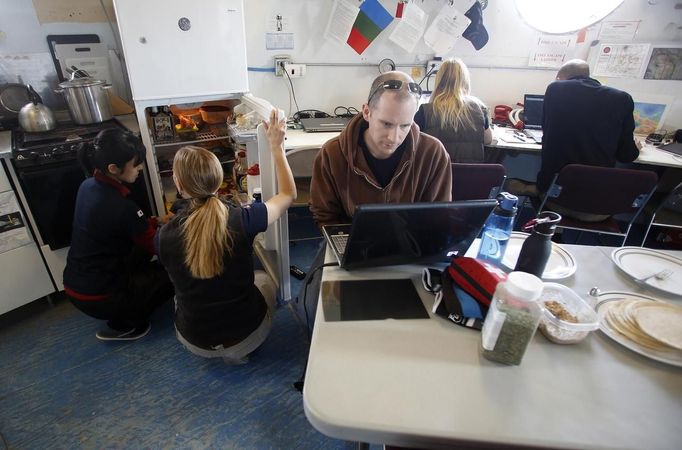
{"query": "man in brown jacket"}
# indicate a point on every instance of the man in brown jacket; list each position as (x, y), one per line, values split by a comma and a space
(380, 157)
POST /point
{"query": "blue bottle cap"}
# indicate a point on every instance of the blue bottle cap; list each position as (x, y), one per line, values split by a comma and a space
(507, 202)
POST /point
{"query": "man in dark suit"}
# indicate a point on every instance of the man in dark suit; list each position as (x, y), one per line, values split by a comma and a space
(584, 122)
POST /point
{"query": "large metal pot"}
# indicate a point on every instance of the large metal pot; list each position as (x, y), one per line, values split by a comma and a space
(87, 99)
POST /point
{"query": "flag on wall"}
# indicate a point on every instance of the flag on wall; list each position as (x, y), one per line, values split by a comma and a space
(371, 20)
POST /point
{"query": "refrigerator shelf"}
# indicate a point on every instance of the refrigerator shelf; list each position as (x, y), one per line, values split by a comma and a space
(213, 134)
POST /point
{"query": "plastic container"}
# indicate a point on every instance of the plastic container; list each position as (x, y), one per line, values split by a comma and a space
(512, 319)
(215, 114)
(562, 331)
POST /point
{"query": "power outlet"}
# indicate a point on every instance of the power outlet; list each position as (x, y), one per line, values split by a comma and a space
(433, 64)
(295, 70)
(281, 60)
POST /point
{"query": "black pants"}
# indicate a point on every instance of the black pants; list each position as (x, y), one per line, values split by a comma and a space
(148, 287)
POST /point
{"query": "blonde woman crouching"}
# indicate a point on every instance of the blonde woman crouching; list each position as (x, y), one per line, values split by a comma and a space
(223, 307)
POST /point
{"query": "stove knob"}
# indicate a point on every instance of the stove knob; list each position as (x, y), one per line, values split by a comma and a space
(34, 156)
(57, 152)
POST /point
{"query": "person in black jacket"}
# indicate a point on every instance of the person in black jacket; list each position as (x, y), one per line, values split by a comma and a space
(583, 122)
(109, 274)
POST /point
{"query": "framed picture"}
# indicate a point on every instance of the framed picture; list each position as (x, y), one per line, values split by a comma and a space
(649, 115)
(665, 63)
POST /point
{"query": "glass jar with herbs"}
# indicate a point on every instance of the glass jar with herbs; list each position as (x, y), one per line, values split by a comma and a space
(512, 318)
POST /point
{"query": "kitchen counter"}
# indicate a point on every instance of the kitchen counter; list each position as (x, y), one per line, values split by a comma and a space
(5, 144)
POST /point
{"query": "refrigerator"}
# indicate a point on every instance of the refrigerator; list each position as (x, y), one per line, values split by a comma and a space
(187, 53)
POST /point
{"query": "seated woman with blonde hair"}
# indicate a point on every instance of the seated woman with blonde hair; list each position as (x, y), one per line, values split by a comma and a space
(454, 116)
(223, 307)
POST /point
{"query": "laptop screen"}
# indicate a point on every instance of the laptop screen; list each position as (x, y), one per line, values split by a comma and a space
(532, 111)
(413, 233)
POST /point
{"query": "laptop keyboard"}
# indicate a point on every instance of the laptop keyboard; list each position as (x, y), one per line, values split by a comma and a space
(339, 241)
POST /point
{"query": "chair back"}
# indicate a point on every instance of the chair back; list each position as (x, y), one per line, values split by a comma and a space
(602, 190)
(476, 181)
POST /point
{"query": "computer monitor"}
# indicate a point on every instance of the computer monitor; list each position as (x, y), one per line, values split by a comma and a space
(532, 111)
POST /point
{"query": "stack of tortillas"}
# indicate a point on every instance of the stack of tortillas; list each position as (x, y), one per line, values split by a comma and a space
(651, 324)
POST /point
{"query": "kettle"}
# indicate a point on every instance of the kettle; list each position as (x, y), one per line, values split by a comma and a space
(34, 116)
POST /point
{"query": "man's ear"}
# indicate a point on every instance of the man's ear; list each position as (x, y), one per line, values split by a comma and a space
(365, 111)
(113, 169)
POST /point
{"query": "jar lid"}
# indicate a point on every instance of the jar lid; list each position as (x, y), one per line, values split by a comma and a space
(524, 286)
(81, 82)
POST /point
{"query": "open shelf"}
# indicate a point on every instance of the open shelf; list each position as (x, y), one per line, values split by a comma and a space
(210, 133)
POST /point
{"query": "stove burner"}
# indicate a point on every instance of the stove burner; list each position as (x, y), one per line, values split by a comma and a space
(61, 144)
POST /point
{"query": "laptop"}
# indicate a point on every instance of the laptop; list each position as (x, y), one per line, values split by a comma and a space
(532, 116)
(674, 147)
(407, 233)
(325, 124)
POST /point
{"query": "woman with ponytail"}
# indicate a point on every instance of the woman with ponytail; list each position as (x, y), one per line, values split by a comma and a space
(454, 116)
(223, 307)
(109, 274)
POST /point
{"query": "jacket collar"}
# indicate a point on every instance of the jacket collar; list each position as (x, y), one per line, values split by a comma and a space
(99, 176)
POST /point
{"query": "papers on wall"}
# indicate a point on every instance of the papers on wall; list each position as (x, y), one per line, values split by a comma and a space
(279, 41)
(445, 29)
(278, 34)
(665, 63)
(13, 232)
(618, 31)
(621, 60)
(341, 21)
(551, 50)
(410, 27)
(371, 20)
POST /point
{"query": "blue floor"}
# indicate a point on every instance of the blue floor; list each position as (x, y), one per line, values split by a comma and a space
(62, 388)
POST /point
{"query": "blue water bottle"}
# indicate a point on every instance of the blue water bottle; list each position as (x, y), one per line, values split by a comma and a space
(498, 228)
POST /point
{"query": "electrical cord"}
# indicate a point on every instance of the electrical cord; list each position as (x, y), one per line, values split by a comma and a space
(427, 75)
(349, 111)
(311, 276)
(298, 385)
(310, 113)
(292, 86)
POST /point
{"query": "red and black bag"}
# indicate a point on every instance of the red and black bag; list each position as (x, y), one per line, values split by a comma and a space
(463, 290)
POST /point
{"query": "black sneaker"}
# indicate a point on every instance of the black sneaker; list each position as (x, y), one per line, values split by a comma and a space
(123, 335)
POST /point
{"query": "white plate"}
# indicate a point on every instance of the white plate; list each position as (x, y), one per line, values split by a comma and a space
(641, 262)
(672, 357)
(561, 263)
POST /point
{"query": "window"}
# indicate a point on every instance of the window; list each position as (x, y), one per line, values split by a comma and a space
(561, 16)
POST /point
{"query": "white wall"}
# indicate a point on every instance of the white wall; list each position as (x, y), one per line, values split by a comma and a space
(499, 70)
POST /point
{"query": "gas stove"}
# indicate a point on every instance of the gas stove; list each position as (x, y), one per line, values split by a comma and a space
(56, 146)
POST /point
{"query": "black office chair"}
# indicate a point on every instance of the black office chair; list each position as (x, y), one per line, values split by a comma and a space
(669, 212)
(600, 191)
(476, 181)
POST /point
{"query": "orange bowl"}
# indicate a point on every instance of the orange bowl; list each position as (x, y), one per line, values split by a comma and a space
(215, 113)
